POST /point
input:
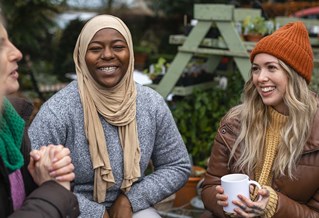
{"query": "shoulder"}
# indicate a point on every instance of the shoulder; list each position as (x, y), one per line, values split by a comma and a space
(23, 106)
(232, 117)
(230, 124)
(147, 95)
(65, 99)
(312, 143)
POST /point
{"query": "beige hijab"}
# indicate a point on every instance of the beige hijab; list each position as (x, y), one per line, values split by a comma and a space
(116, 105)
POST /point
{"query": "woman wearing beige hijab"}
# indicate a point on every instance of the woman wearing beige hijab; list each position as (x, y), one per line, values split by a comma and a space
(114, 127)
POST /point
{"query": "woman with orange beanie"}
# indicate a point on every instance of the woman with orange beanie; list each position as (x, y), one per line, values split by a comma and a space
(273, 136)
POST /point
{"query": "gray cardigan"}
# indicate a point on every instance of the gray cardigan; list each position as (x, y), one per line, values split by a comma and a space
(60, 121)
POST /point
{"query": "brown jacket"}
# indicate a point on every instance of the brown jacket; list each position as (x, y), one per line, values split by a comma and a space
(296, 198)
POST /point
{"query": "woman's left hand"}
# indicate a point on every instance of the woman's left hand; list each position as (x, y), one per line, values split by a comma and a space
(249, 208)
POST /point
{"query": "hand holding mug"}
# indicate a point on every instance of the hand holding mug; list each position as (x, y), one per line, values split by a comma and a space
(234, 196)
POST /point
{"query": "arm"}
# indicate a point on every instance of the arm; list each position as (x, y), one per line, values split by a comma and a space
(49, 128)
(287, 207)
(170, 160)
(49, 200)
(217, 167)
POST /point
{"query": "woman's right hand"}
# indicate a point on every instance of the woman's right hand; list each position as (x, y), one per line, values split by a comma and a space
(51, 158)
(222, 199)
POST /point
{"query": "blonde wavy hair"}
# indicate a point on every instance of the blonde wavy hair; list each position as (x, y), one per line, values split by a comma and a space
(302, 106)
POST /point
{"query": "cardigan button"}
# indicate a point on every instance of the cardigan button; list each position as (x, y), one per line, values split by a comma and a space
(223, 131)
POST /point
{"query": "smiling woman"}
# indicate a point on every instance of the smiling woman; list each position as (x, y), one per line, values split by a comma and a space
(114, 127)
(273, 136)
(107, 57)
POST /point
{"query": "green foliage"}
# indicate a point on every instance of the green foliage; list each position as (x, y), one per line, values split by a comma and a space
(180, 7)
(158, 68)
(63, 59)
(254, 25)
(28, 23)
(198, 116)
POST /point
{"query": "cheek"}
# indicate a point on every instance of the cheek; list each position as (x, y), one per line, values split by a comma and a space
(126, 58)
(255, 79)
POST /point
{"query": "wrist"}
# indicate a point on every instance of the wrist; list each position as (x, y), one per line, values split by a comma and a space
(66, 185)
(106, 214)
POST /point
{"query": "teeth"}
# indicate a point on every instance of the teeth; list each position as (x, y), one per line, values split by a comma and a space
(108, 69)
(267, 89)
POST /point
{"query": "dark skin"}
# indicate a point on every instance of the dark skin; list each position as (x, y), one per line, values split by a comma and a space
(107, 59)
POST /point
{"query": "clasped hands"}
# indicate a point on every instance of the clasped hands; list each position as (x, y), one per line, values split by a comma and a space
(52, 162)
(246, 207)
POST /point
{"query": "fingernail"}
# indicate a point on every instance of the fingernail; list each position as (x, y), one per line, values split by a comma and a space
(52, 173)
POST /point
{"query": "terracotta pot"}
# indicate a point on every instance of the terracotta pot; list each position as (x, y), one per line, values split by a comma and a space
(189, 190)
(253, 37)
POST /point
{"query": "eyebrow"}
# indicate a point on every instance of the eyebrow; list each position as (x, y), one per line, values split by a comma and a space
(113, 41)
(268, 62)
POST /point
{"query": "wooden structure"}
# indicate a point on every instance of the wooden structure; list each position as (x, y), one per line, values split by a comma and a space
(229, 44)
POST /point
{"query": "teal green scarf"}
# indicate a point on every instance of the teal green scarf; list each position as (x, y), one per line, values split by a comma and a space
(11, 133)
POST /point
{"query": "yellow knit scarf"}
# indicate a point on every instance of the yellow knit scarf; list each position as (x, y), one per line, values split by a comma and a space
(263, 172)
(116, 105)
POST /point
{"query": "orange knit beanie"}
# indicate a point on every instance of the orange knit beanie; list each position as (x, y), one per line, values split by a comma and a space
(291, 44)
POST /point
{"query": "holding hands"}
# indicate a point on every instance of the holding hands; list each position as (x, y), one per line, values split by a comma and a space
(52, 162)
(246, 207)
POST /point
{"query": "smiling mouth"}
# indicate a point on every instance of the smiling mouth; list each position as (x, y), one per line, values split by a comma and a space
(267, 89)
(108, 69)
(14, 74)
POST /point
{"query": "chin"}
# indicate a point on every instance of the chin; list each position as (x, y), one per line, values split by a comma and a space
(12, 89)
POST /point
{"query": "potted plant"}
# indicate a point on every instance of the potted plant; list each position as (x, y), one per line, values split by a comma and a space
(189, 190)
(254, 28)
(157, 70)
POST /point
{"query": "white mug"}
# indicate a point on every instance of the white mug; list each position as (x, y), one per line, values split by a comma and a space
(235, 184)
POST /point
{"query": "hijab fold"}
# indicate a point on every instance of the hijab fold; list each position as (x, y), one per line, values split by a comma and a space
(117, 105)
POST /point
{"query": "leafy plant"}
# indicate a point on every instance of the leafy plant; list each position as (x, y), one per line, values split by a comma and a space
(198, 116)
(254, 25)
(157, 69)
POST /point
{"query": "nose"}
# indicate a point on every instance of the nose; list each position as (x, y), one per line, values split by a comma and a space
(15, 54)
(263, 76)
(107, 53)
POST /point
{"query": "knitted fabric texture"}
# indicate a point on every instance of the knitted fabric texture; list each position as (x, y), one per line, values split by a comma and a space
(11, 132)
(291, 44)
(264, 171)
(270, 209)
